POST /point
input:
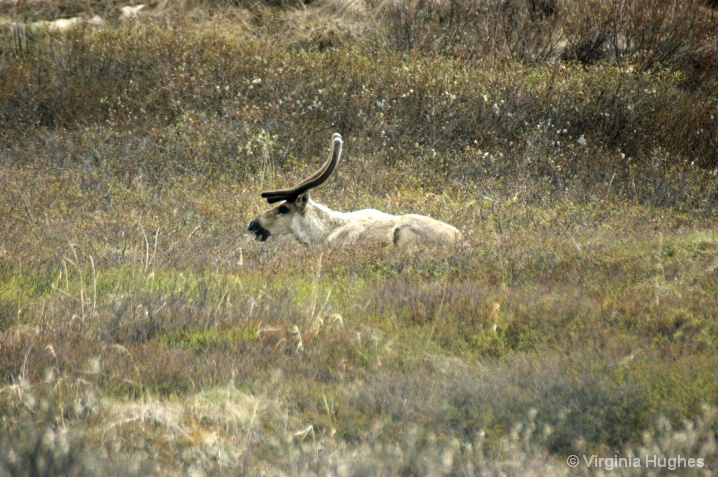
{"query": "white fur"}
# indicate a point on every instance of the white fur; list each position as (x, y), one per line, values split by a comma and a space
(317, 223)
(320, 222)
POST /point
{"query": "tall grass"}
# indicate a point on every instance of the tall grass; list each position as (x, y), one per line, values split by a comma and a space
(143, 332)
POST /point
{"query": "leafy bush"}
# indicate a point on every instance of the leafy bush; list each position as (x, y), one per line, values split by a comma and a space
(650, 34)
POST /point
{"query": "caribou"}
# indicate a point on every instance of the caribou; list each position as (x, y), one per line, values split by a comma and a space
(310, 222)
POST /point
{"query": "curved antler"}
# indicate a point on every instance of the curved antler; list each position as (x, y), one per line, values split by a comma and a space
(318, 178)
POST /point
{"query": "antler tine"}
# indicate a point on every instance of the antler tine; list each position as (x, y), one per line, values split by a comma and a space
(316, 179)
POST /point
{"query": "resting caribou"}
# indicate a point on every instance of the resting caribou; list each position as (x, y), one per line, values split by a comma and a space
(310, 222)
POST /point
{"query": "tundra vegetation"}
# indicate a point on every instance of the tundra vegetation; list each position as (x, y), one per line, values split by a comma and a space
(144, 332)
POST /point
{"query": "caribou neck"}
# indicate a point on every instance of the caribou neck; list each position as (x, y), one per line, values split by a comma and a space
(317, 222)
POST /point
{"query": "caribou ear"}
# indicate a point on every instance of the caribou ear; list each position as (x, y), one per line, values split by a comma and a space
(302, 201)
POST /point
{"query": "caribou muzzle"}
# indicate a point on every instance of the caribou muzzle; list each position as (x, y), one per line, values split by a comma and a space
(260, 233)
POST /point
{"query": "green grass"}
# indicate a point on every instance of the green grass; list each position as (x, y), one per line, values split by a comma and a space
(143, 331)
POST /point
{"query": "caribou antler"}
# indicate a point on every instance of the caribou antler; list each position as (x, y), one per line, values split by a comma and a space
(318, 178)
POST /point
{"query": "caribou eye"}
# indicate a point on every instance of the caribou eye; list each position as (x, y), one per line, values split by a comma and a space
(283, 209)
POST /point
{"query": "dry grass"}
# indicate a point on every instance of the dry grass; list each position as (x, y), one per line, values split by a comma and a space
(143, 332)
